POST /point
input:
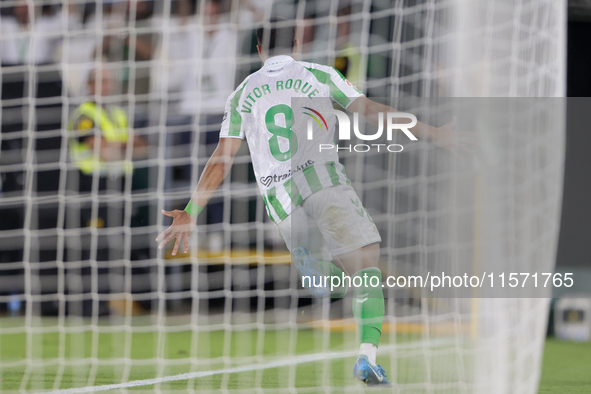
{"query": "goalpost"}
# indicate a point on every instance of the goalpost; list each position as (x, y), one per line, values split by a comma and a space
(89, 303)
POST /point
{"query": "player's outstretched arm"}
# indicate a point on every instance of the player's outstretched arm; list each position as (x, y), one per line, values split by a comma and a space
(218, 166)
(443, 136)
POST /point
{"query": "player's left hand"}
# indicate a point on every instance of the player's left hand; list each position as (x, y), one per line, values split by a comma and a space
(453, 141)
(181, 227)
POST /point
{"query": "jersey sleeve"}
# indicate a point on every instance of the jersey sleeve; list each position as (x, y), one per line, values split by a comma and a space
(233, 124)
(341, 90)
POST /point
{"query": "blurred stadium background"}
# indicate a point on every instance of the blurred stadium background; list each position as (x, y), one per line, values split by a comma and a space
(85, 297)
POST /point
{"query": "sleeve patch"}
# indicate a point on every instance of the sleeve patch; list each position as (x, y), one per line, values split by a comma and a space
(84, 125)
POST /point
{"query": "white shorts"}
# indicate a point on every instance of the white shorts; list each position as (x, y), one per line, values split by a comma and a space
(330, 222)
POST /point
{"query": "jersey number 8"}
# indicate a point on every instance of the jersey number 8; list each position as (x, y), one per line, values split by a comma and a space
(280, 131)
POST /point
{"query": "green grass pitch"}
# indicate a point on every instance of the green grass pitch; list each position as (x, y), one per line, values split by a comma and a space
(566, 366)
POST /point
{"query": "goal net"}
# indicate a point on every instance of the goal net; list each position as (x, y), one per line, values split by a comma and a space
(109, 112)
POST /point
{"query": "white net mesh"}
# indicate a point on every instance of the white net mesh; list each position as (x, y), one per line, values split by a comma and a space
(142, 85)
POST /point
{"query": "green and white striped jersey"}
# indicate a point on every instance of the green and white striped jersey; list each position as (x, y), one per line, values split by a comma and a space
(271, 109)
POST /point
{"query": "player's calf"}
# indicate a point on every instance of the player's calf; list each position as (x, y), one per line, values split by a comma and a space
(311, 272)
(322, 278)
(368, 309)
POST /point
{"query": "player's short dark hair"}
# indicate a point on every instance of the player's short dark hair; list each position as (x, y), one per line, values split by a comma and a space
(278, 39)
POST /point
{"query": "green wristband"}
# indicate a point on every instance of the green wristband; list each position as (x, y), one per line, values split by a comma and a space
(193, 209)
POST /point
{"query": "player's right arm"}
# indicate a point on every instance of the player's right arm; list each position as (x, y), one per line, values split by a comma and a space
(443, 136)
(216, 169)
(348, 96)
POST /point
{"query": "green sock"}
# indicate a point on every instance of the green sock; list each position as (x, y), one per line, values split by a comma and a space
(368, 305)
(329, 269)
